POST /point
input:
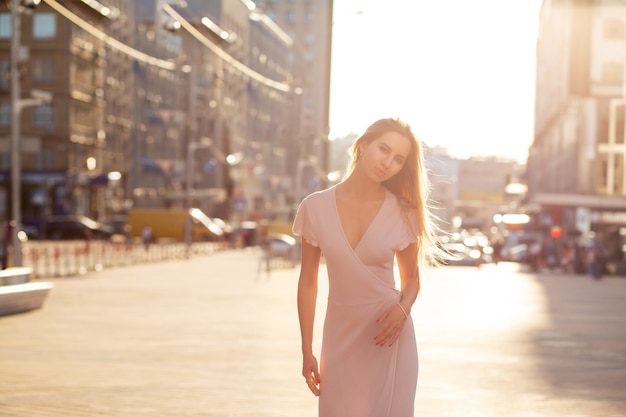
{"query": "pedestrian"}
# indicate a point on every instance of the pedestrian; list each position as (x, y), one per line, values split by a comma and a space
(498, 246)
(368, 364)
(596, 257)
(534, 255)
(146, 236)
(567, 258)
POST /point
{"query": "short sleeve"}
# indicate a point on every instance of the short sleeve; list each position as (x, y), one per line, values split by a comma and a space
(303, 225)
(408, 234)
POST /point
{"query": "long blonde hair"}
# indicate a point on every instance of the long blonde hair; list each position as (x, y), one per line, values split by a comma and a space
(411, 185)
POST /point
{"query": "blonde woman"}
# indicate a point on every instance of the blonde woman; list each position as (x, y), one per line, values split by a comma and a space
(368, 365)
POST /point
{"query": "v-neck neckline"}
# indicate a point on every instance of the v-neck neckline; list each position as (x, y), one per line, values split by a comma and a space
(369, 226)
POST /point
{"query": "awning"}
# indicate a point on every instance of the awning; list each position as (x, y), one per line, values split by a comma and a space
(579, 200)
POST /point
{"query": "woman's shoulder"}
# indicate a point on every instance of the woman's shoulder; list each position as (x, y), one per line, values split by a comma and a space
(319, 196)
(399, 202)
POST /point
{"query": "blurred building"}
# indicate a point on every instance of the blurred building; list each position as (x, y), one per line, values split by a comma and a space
(309, 24)
(468, 193)
(155, 156)
(244, 101)
(576, 168)
(443, 174)
(62, 143)
(273, 121)
(215, 98)
(143, 87)
(119, 122)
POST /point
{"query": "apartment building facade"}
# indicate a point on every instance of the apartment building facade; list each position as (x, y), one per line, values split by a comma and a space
(131, 109)
(62, 143)
(309, 24)
(576, 166)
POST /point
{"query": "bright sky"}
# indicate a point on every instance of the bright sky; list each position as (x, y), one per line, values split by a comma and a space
(460, 72)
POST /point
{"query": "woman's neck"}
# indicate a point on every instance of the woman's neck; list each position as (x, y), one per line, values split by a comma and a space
(361, 188)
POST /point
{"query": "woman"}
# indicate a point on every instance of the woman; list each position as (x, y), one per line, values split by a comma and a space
(379, 213)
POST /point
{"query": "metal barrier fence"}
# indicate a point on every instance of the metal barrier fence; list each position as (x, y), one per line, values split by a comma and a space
(69, 258)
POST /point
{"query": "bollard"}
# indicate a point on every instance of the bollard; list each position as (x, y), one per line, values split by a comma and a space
(34, 262)
(57, 260)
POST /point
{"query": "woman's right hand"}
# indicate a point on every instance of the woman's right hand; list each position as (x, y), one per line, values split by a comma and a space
(311, 374)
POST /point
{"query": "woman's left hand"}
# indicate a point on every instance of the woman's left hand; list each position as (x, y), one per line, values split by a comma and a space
(392, 324)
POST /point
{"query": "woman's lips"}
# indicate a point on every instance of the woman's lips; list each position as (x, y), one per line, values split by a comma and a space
(380, 172)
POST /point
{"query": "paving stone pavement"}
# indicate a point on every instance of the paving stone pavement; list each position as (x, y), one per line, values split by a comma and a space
(217, 336)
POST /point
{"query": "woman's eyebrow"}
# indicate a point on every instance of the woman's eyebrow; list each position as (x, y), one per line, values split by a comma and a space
(389, 148)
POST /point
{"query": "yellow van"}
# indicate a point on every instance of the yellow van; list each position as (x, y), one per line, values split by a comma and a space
(169, 224)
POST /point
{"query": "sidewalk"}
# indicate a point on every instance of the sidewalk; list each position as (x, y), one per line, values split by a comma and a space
(217, 336)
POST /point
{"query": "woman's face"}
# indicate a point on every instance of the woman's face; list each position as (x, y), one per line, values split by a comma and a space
(384, 157)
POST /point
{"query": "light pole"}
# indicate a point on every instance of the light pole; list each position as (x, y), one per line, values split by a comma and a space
(17, 104)
(16, 209)
(191, 150)
(230, 159)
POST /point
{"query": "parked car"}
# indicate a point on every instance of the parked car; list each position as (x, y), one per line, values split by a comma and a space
(516, 253)
(461, 255)
(247, 233)
(282, 246)
(76, 227)
(171, 223)
(119, 225)
(211, 230)
(224, 225)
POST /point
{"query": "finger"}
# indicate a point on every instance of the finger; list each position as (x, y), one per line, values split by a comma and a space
(388, 335)
(394, 339)
(385, 332)
(387, 341)
(316, 375)
(313, 387)
(382, 317)
(382, 339)
(382, 335)
(311, 374)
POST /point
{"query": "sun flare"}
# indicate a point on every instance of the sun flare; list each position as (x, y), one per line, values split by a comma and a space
(463, 80)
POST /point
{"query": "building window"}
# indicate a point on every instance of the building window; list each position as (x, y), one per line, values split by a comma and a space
(42, 160)
(43, 70)
(5, 160)
(614, 29)
(5, 115)
(604, 173)
(43, 117)
(618, 174)
(613, 73)
(44, 26)
(5, 25)
(5, 71)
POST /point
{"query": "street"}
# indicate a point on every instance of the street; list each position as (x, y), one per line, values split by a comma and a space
(217, 335)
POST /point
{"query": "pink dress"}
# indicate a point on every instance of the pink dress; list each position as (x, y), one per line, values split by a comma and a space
(358, 378)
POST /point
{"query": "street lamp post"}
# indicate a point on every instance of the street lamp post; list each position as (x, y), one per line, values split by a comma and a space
(191, 150)
(16, 215)
(17, 104)
(230, 159)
